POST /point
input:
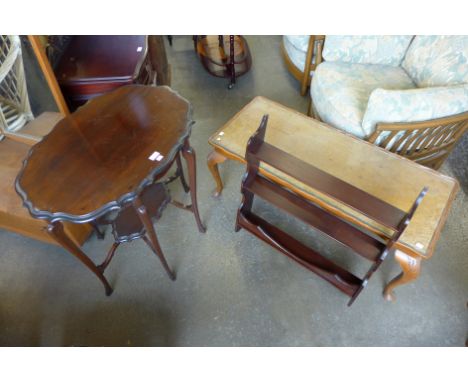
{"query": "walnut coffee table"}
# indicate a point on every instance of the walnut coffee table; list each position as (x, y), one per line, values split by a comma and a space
(394, 179)
(100, 161)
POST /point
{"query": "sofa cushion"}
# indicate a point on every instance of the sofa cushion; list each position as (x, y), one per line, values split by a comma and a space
(296, 48)
(414, 105)
(382, 50)
(340, 91)
(437, 60)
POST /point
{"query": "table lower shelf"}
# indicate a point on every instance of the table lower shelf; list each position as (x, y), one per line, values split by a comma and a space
(308, 258)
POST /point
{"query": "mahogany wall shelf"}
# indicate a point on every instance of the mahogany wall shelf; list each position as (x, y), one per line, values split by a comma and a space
(362, 242)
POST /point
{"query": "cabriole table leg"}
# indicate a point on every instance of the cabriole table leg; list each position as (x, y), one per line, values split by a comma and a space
(214, 158)
(58, 233)
(152, 240)
(189, 156)
(411, 268)
(181, 172)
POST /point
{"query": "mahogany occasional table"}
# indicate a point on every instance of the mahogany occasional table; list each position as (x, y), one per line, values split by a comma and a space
(100, 162)
(387, 176)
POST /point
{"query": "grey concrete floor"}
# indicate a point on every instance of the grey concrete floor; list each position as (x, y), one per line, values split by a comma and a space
(231, 289)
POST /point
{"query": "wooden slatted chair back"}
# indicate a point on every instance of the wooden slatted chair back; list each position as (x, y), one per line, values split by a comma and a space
(428, 143)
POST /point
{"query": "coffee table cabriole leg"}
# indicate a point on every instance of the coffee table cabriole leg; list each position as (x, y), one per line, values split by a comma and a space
(56, 231)
(214, 158)
(189, 156)
(411, 268)
(152, 239)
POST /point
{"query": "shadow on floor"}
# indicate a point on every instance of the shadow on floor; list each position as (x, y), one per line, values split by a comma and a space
(17, 330)
(131, 323)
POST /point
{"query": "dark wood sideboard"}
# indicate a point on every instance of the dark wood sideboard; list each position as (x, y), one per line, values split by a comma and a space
(88, 66)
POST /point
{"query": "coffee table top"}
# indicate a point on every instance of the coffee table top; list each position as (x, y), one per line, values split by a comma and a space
(392, 178)
(105, 153)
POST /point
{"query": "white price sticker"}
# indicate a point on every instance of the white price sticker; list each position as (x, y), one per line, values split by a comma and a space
(156, 156)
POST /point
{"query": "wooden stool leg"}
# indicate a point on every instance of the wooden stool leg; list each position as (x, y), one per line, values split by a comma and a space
(214, 158)
(153, 242)
(58, 233)
(180, 169)
(411, 268)
(189, 155)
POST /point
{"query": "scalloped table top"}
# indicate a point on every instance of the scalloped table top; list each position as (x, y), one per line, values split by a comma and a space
(105, 153)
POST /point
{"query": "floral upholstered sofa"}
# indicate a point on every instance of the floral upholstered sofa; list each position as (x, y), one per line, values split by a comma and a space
(302, 54)
(408, 94)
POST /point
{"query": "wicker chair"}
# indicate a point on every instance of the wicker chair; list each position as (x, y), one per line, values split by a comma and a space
(15, 110)
(428, 142)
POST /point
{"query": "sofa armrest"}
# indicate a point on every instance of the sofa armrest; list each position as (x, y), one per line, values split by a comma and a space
(414, 105)
(427, 142)
(420, 124)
